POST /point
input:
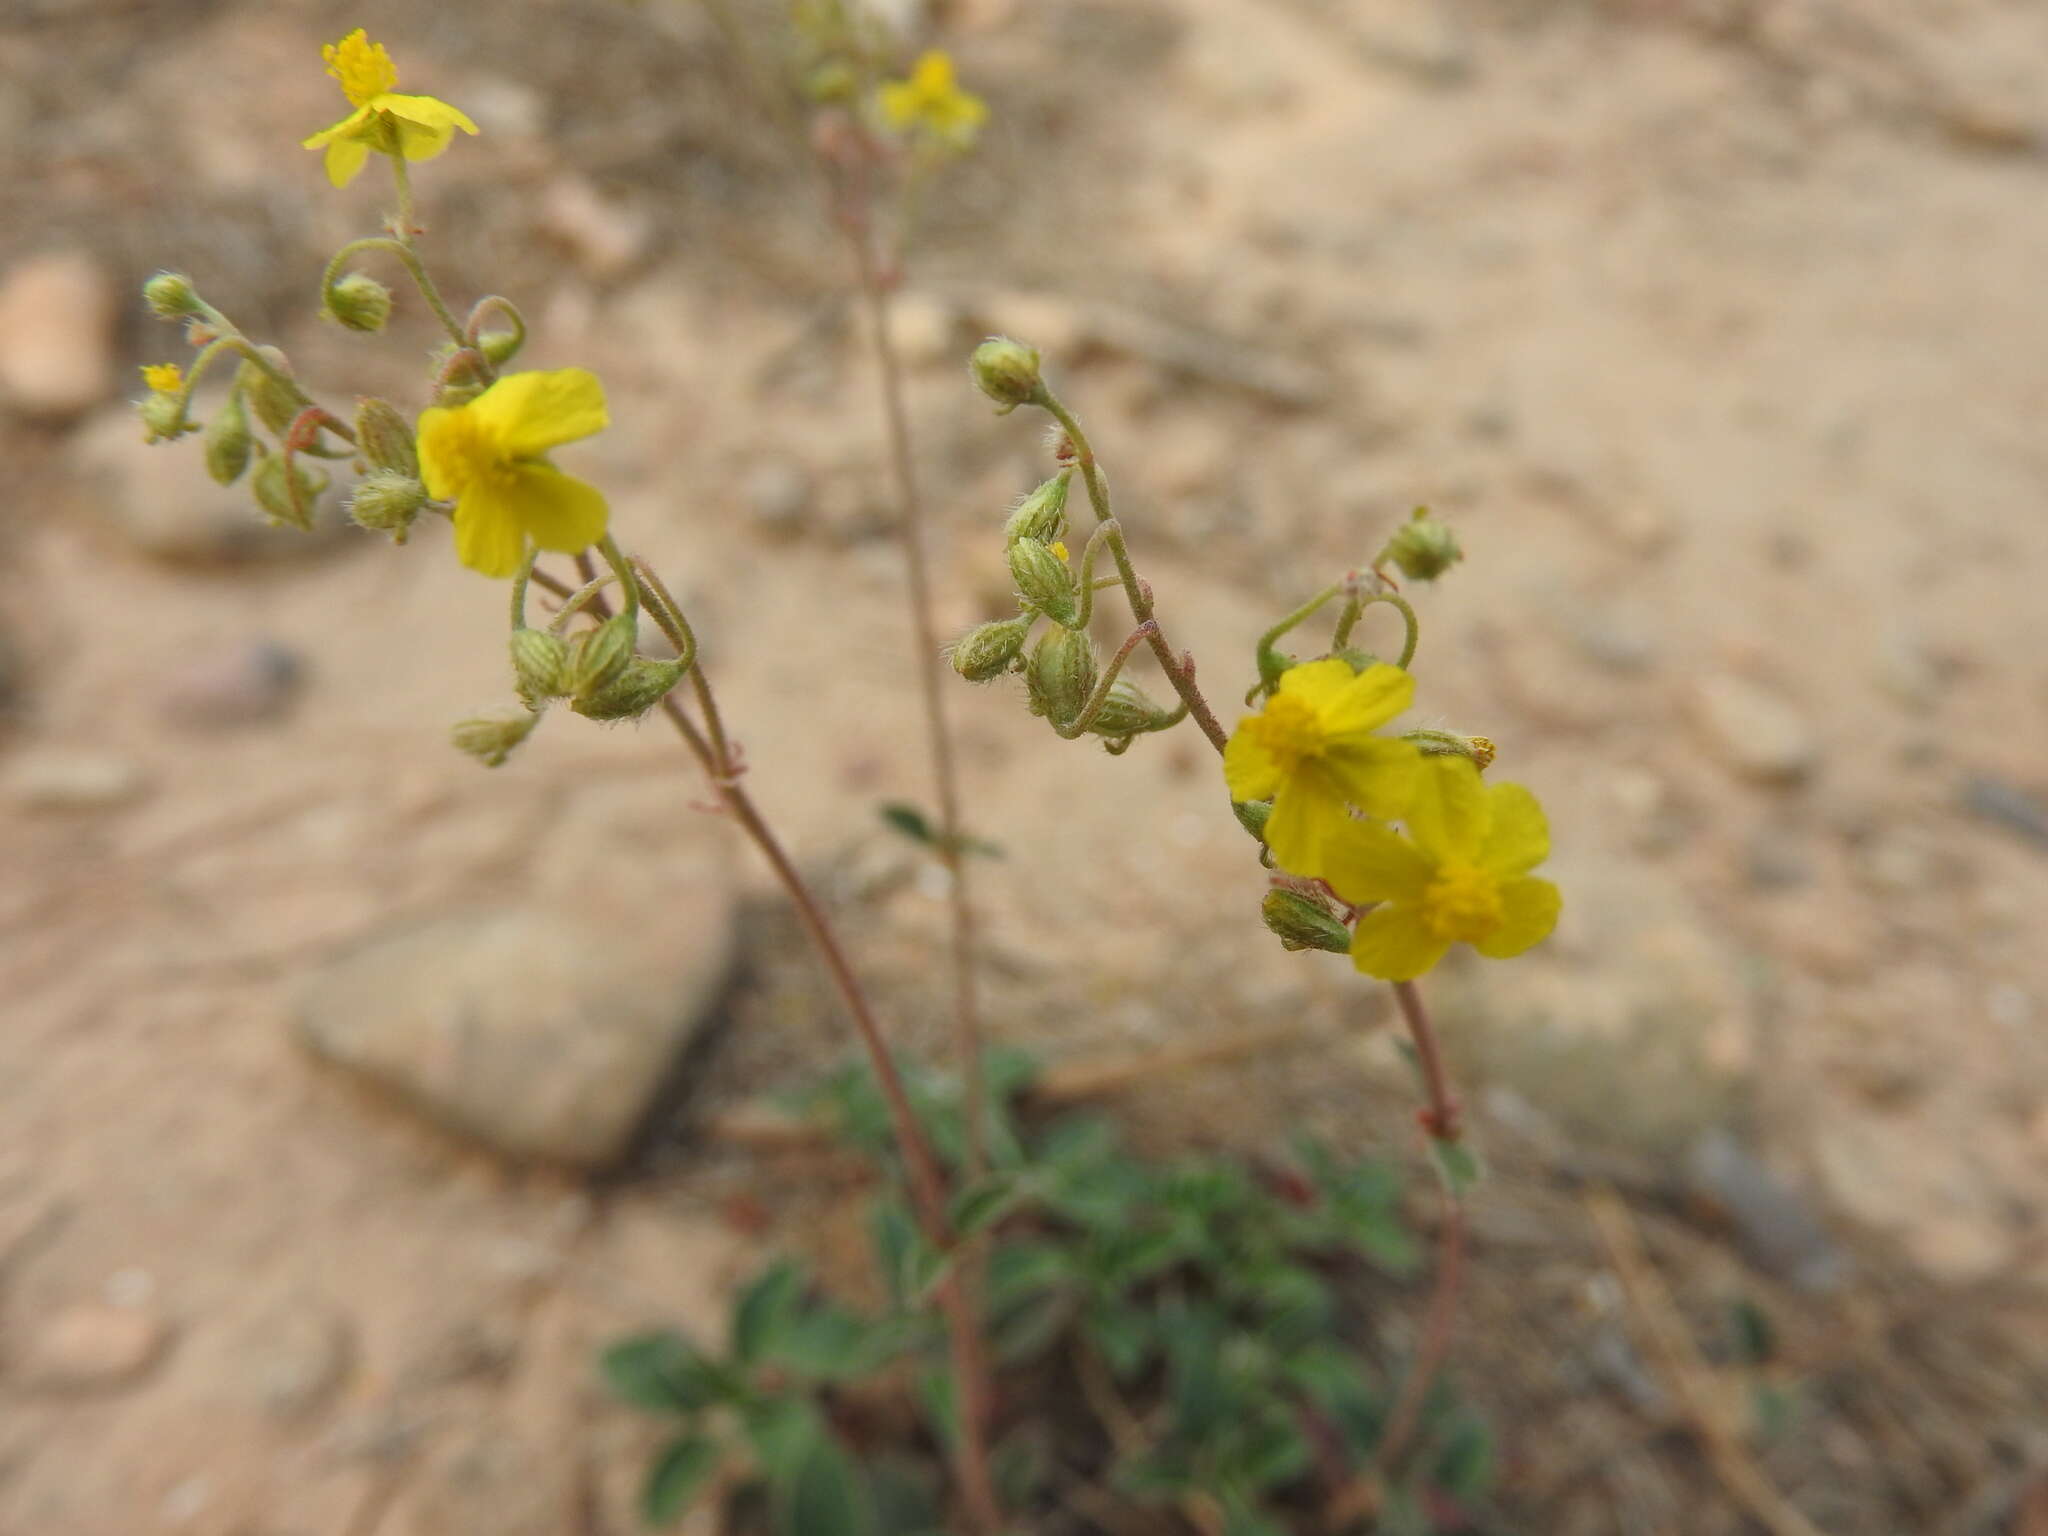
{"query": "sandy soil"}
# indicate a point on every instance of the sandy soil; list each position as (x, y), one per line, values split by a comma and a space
(1718, 330)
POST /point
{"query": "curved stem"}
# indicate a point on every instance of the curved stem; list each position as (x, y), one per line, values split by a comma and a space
(472, 328)
(1414, 626)
(1086, 581)
(1096, 700)
(414, 267)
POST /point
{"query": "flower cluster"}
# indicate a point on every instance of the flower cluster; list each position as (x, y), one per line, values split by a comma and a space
(414, 127)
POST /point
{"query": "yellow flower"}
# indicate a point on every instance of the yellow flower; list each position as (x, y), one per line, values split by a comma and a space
(163, 378)
(1059, 547)
(1460, 875)
(489, 457)
(931, 100)
(1312, 752)
(418, 127)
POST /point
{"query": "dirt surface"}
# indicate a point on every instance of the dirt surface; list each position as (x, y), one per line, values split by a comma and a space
(1717, 329)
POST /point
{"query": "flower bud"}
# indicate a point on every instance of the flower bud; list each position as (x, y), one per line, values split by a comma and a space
(988, 651)
(1061, 674)
(360, 302)
(170, 296)
(644, 683)
(1006, 371)
(491, 738)
(540, 664)
(1044, 581)
(600, 655)
(228, 440)
(499, 346)
(1043, 514)
(1302, 922)
(387, 501)
(163, 416)
(1423, 548)
(288, 493)
(278, 401)
(1252, 815)
(1127, 711)
(1479, 749)
(385, 438)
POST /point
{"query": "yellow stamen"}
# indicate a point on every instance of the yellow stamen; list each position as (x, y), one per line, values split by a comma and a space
(1462, 903)
(364, 69)
(1290, 729)
(163, 378)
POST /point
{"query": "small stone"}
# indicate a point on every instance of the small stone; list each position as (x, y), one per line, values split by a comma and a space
(69, 779)
(1777, 1229)
(546, 1034)
(91, 1346)
(240, 684)
(1755, 732)
(606, 237)
(56, 335)
(778, 493)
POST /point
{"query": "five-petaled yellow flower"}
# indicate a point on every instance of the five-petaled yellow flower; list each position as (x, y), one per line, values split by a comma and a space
(418, 127)
(490, 458)
(1459, 876)
(931, 100)
(163, 378)
(1313, 753)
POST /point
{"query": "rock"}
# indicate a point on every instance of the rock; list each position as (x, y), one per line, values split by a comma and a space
(159, 498)
(544, 1033)
(244, 683)
(1755, 732)
(56, 335)
(605, 236)
(1777, 1229)
(778, 493)
(90, 1346)
(69, 779)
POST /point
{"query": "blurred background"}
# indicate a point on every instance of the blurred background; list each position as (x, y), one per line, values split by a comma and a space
(1718, 330)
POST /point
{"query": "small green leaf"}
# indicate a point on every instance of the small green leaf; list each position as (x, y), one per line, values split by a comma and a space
(765, 1310)
(828, 1343)
(1464, 1467)
(893, 1231)
(982, 1204)
(825, 1495)
(674, 1478)
(1756, 1341)
(1458, 1164)
(662, 1372)
(1122, 1335)
(781, 1431)
(910, 821)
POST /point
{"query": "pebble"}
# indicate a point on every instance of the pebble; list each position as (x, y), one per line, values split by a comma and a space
(69, 779)
(245, 683)
(1775, 1227)
(1754, 731)
(56, 335)
(778, 494)
(542, 1032)
(91, 1346)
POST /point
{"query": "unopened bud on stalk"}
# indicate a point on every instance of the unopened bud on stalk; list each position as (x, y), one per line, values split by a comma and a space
(540, 665)
(170, 296)
(288, 493)
(1252, 815)
(228, 440)
(1006, 371)
(1043, 514)
(385, 438)
(1423, 548)
(644, 683)
(1302, 922)
(1126, 711)
(360, 302)
(1044, 581)
(601, 654)
(1061, 674)
(163, 415)
(1450, 744)
(490, 738)
(387, 501)
(498, 346)
(988, 651)
(277, 400)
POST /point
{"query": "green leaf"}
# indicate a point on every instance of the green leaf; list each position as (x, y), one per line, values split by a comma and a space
(781, 1431)
(1464, 1467)
(825, 1343)
(910, 821)
(1026, 1331)
(1019, 1270)
(1122, 1335)
(663, 1372)
(1344, 1387)
(1756, 1341)
(893, 1231)
(764, 1311)
(1458, 1165)
(982, 1204)
(674, 1478)
(824, 1495)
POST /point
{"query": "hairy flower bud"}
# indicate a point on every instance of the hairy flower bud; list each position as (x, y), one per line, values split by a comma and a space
(1127, 711)
(1045, 581)
(989, 650)
(491, 738)
(1043, 514)
(360, 302)
(1302, 922)
(1006, 371)
(600, 655)
(540, 664)
(644, 683)
(1479, 749)
(228, 440)
(277, 399)
(288, 494)
(385, 438)
(170, 296)
(1252, 815)
(499, 346)
(387, 501)
(163, 416)
(1423, 548)
(1061, 674)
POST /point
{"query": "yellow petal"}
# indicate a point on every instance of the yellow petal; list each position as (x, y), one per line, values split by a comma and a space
(347, 126)
(1306, 818)
(526, 414)
(1528, 911)
(1518, 838)
(1392, 943)
(1318, 684)
(1370, 861)
(444, 465)
(345, 159)
(559, 511)
(427, 112)
(1248, 768)
(1378, 774)
(1448, 815)
(488, 533)
(1367, 701)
